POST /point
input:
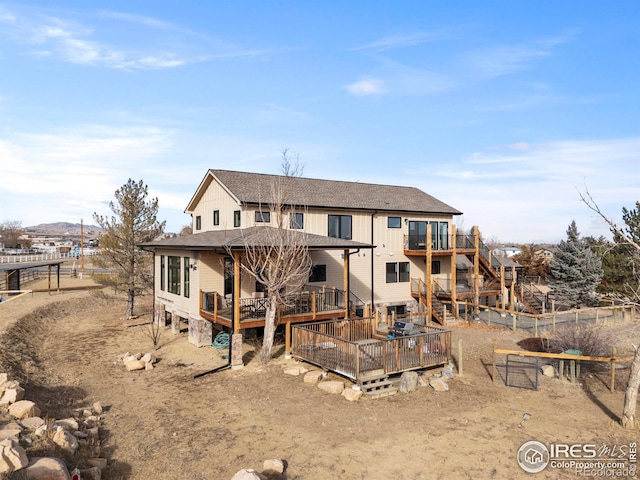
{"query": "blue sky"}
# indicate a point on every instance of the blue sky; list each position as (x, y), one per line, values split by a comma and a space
(504, 110)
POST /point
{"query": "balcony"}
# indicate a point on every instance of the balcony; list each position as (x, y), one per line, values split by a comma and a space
(440, 244)
(303, 306)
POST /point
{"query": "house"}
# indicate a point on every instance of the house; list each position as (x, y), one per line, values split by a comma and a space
(384, 248)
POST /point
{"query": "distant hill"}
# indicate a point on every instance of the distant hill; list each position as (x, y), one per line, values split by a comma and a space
(63, 228)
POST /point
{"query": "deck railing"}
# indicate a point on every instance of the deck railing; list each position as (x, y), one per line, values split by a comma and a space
(349, 348)
(301, 303)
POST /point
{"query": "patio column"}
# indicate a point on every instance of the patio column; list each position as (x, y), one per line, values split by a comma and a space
(428, 281)
(236, 338)
(345, 281)
(502, 286)
(476, 270)
(454, 279)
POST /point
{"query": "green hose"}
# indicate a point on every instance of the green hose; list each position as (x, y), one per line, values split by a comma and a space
(221, 341)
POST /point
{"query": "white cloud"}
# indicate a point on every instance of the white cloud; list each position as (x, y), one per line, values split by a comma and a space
(528, 192)
(69, 41)
(370, 86)
(399, 41)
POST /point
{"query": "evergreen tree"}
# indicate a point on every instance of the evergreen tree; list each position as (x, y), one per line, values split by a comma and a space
(134, 222)
(576, 270)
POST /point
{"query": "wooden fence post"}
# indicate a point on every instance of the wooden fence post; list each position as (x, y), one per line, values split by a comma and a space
(612, 385)
(460, 371)
(493, 368)
(513, 315)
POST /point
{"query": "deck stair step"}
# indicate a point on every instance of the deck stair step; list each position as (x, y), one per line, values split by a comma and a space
(377, 386)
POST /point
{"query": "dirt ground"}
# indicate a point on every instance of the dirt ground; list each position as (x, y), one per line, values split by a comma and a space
(164, 424)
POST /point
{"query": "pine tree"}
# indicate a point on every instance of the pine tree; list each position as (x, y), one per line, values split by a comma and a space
(576, 270)
(134, 222)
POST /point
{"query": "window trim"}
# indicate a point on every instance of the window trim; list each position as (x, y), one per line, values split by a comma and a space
(399, 219)
(163, 278)
(340, 225)
(398, 275)
(318, 273)
(173, 274)
(236, 218)
(216, 218)
(262, 217)
(293, 221)
(436, 267)
(198, 222)
(186, 277)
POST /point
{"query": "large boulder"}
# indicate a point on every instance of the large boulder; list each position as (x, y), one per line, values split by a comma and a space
(408, 382)
(331, 386)
(314, 376)
(12, 393)
(65, 440)
(12, 456)
(24, 409)
(351, 394)
(46, 468)
(439, 384)
(273, 466)
(295, 371)
(11, 429)
(248, 474)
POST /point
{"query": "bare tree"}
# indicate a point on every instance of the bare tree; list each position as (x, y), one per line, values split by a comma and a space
(291, 167)
(631, 393)
(186, 230)
(10, 233)
(277, 256)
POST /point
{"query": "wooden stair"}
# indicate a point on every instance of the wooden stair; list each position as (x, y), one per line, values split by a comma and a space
(377, 386)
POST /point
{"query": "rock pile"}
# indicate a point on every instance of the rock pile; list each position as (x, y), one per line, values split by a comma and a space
(21, 427)
(137, 361)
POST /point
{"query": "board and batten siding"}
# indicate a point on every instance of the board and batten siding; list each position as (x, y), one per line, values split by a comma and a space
(214, 198)
(177, 303)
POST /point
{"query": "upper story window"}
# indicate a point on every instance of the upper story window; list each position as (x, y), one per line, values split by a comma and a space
(216, 217)
(296, 221)
(263, 217)
(394, 222)
(236, 218)
(198, 222)
(340, 226)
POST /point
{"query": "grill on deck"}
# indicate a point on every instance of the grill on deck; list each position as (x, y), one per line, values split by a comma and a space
(404, 329)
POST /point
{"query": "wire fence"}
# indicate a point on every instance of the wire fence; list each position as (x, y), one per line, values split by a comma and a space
(536, 324)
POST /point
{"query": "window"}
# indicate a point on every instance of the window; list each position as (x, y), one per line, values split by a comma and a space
(397, 272)
(216, 217)
(340, 226)
(403, 271)
(263, 217)
(318, 273)
(296, 221)
(435, 267)
(198, 222)
(174, 274)
(394, 222)
(187, 273)
(236, 218)
(162, 273)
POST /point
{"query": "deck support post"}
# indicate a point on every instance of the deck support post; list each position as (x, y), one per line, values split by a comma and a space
(345, 278)
(476, 271)
(454, 279)
(287, 341)
(427, 280)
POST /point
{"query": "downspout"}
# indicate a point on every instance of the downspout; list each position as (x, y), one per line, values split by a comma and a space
(233, 329)
(372, 263)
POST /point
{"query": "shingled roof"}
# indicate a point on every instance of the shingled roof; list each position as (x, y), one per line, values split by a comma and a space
(255, 188)
(261, 235)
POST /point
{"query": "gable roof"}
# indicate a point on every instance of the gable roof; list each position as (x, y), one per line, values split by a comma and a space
(255, 188)
(261, 235)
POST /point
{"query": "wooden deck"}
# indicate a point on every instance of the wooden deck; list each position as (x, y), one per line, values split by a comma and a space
(353, 349)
